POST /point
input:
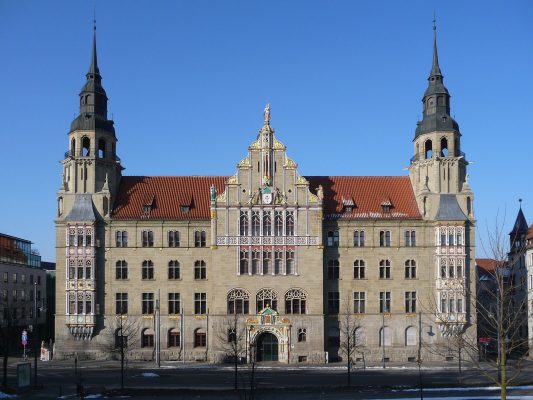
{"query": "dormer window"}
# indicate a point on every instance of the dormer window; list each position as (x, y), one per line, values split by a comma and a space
(386, 206)
(185, 209)
(147, 208)
(347, 205)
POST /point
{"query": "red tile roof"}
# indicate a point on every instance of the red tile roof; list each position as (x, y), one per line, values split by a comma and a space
(487, 264)
(369, 194)
(530, 233)
(167, 194)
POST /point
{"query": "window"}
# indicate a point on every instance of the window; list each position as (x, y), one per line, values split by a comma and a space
(23, 278)
(147, 303)
(232, 335)
(267, 224)
(147, 269)
(238, 302)
(147, 239)
(200, 270)
(278, 262)
(302, 335)
(174, 338)
(359, 299)
(410, 238)
(385, 336)
(173, 239)
(333, 302)
(359, 238)
(459, 269)
(267, 262)
(384, 269)
(174, 305)
(359, 269)
(410, 302)
(278, 223)
(22, 295)
(121, 303)
(289, 226)
(15, 277)
(31, 279)
(256, 259)
(147, 338)
(289, 263)
(459, 303)
(121, 270)
(200, 303)
(200, 338)
(295, 301)
(384, 238)
(266, 298)
(333, 239)
(334, 337)
(410, 269)
(333, 269)
(199, 239)
(256, 223)
(174, 269)
(14, 294)
(6, 277)
(243, 223)
(38, 279)
(384, 302)
(243, 265)
(121, 238)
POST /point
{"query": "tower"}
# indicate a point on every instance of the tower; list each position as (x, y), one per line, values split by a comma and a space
(440, 183)
(91, 174)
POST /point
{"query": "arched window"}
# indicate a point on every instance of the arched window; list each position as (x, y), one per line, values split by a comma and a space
(460, 271)
(428, 149)
(410, 336)
(105, 205)
(256, 260)
(267, 224)
(469, 205)
(266, 298)
(289, 227)
(410, 269)
(243, 223)
(174, 269)
(121, 270)
(59, 206)
(443, 268)
(200, 338)
(199, 238)
(295, 301)
(238, 302)
(256, 223)
(73, 147)
(147, 337)
(278, 262)
(200, 270)
(385, 336)
(85, 146)
(147, 269)
(384, 269)
(289, 263)
(101, 148)
(278, 223)
(243, 265)
(451, 269)
(267, 262)
(444, 147)
(333, 238)
(359, 337)
(174, 337)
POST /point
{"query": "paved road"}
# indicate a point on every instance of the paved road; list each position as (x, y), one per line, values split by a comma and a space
(175, 380)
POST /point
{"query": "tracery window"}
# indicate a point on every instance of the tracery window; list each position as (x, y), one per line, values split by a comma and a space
(289, 226)
(266, 298)
(243, 223)
(278, 223)
(238, 302)
(295, 301)
(267, 224)
(256, 223)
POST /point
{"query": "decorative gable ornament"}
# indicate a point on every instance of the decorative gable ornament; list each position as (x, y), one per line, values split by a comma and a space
(266, 195)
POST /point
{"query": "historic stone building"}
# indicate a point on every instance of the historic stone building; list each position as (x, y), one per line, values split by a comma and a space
(289, 255)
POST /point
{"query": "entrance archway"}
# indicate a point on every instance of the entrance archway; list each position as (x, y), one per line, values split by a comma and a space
(267, 347)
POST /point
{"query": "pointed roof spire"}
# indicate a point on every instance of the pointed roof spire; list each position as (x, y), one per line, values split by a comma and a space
(435, 69)
(520, 225)
(93, 69)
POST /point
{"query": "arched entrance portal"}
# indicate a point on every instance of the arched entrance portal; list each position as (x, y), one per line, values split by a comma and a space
(267, 347)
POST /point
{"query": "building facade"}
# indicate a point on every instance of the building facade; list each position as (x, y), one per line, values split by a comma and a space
(283, 255)
(22, 291)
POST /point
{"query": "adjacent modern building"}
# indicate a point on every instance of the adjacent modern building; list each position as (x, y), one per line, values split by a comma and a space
(22, 288)
(286, 256)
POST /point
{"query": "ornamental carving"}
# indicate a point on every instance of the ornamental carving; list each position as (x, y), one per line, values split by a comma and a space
(245, 162)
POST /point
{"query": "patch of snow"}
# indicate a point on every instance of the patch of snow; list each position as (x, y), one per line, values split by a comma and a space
(149, 375)
(93, 396)
(7, 396)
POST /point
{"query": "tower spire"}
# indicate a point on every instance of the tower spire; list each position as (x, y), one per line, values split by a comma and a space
(435, 69)
(93, 68)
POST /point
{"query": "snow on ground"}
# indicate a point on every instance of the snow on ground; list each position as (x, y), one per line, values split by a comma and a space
(466, 389)
(149, 375)
(7, 396)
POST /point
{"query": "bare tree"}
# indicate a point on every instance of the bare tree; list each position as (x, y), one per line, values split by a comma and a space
(351, 334)
(231, 339)
(123, 337)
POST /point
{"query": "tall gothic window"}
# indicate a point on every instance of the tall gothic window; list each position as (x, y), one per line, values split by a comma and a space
(243, 266)
(243, 223)
(289, 263)
(278, 262)
(256, 262)
(278, 223)
(267, 224)
(267, 262)
(238, 302)
(266, 298)
(256, 223)
(289, 226)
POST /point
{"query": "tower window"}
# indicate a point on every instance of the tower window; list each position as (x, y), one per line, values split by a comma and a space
(444, 147)
(101, 148)
(428, 149)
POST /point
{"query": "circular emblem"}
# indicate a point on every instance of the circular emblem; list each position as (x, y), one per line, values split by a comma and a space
(266, 196)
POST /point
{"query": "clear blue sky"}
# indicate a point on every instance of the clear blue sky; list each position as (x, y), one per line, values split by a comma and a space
(188, 81)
